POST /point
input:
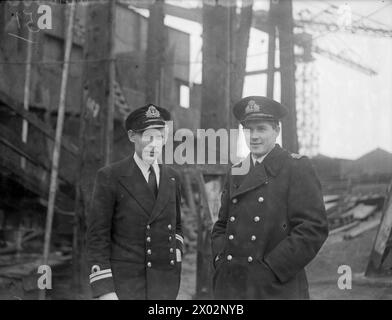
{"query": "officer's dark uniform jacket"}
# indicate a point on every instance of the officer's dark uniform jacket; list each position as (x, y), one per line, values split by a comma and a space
(132, 237)
(271, 224)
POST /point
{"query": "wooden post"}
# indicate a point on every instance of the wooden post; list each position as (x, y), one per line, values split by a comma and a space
(383, 242)
(94, 114)
(229, 59)
(204, 254)
(239, 43)
(287, 73)
(78, 222)
(194, 212)
(271, 49)
(239, 48)
(112, 79)
(204, 225)
(26, 98)
(155, 50)
(57, 144)
(215, 49)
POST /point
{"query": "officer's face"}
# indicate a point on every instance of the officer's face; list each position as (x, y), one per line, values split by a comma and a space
(260, 136)
(149, 143)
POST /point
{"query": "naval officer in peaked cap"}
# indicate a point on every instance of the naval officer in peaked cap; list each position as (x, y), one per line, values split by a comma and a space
(272, 220)
(134, 234)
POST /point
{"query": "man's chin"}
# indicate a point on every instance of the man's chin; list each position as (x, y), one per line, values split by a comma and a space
(150, 158)
(256, 152)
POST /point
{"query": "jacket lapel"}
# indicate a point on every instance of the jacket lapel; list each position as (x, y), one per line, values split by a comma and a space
(258, 175)
(255, 178)
(166, 187)
(274, 161)
(131, 178)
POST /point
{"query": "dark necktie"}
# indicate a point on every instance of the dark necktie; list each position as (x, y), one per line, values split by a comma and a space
(255, 164)
(152, 181)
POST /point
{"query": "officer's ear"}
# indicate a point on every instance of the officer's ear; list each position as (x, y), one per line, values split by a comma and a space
(131, 136)
(276, 127)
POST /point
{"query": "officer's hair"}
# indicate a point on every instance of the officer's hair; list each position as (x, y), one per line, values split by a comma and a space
(275, 124)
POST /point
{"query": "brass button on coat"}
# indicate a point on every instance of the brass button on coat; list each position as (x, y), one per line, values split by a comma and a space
(232, 219)
(235, 200)
(148, 239)
(229, 257)
(149, 264)
(250, 259)
(261, 199)
(253, 238)
(231, 237)
(149, 251)
(256, 219)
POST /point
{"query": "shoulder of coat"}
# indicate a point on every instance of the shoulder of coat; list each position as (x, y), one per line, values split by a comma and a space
(297, 156)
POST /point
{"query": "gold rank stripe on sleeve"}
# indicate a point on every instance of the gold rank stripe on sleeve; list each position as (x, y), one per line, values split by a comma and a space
(98, 275)
(179, 238)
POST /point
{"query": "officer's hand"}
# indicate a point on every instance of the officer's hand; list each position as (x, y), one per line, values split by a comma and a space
(109, 296)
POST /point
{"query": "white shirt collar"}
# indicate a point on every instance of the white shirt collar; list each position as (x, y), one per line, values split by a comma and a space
(259, 160)
(145, 167)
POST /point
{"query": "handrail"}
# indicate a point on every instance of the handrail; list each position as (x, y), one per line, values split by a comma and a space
(36, 122)
(8, 138)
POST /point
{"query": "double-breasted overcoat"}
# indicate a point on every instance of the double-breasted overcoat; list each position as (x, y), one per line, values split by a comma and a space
(271, 224)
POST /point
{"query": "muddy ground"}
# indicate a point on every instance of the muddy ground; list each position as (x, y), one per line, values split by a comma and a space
(322, 274)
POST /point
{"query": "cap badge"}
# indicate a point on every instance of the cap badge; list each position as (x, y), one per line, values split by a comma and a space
(252, 107)
(152, 112)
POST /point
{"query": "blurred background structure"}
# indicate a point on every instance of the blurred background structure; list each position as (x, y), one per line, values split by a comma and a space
(329, 62)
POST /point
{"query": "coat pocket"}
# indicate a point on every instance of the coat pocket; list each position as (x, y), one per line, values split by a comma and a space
(266, 271)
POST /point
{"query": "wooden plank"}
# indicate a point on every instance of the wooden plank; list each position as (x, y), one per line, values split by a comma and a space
(384, 234)
(58, 138)
(344, 228)
(331, 198)
(36, 122)
(363, 211)
(26, 98)
(361, 228)
(10, 168)
(330, 206)
(7, 137)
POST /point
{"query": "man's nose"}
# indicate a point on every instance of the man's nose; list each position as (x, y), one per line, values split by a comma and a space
(253, 136)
